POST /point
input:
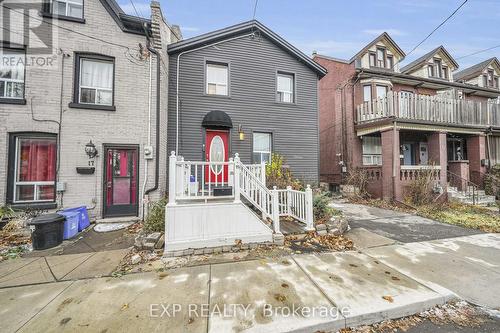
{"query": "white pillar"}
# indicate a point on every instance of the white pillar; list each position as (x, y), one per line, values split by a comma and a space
(263, 173)
(236, 179)
(276, 212)
(171, 178)
(309, 209)
(289, 200)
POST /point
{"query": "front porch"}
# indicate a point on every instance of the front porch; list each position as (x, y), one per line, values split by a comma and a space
(396, 156)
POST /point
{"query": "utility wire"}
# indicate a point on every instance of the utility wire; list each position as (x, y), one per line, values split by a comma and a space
(135, 9)
(433, 31)
(255, 9)
(480, 51)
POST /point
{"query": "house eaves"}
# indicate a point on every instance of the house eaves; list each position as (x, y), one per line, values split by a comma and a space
(238, 29)
(376, 40)
(423, 59)
(127, 23)
(475, 70)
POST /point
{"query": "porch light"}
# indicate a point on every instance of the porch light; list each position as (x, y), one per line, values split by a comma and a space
(90, 149)
(240, 131)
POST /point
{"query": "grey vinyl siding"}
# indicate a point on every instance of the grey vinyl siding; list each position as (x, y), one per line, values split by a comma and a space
(251, 103)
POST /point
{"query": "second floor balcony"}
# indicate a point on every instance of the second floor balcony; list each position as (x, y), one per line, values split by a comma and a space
(430, 109)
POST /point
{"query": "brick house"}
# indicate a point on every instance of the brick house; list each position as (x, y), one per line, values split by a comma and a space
(102, 89)
(394, 121)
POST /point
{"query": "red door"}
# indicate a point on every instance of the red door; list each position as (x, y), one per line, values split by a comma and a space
(217, 150)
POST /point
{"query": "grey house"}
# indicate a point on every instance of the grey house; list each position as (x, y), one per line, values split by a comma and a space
(246, 90)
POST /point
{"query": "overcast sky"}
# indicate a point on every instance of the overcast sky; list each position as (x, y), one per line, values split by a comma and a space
(340, 28)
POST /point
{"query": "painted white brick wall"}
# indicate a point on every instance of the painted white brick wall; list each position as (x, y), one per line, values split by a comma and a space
(126, 125)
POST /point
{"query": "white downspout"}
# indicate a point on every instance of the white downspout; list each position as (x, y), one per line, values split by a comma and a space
(150, 93)
(177, 83)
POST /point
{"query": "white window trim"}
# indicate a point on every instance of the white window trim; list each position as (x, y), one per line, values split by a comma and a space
(284, 92)
(36, 184)
(221, 64)
(68, 2)
(263, 152)
(96, 89)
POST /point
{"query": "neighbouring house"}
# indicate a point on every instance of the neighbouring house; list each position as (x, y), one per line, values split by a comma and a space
(394, 121)
(242, 92)
(83, 106)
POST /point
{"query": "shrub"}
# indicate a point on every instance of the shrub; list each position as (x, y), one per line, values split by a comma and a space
(492, 181)
(6, 212)
(420, 190)
(280, 176)
(321, 209)
(358, 178)
(155, 221)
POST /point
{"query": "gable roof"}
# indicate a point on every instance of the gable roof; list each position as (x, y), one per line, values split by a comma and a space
(382, 36)
(128, 23)
(475, 70)
(420, 61)
(245, 27)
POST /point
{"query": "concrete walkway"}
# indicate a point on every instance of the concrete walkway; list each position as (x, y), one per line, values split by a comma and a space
(327, 292)
(399, 226)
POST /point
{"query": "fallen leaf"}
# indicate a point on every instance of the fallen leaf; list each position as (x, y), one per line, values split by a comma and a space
(124, 307)
(395, 278)
(388, 298)
(162, 275)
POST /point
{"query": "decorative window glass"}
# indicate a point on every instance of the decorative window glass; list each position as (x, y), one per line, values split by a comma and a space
(72, 8)
(262, 147)
(285, 88)
(35, 169)
(12, 73)
(96, 82)
(372, 150)
(217, 154)
(217, 79)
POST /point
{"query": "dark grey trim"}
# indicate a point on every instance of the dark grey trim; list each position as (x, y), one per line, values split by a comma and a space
(18, 101)
(11, 166)
(62, 17)
(76, 84)
(127, 23)
(252, 26)
(216, 61)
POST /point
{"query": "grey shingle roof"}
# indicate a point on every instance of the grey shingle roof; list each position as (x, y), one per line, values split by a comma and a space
(474, 70)
(416, 63)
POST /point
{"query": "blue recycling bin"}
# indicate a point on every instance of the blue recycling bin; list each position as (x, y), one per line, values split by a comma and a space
(83, 217)
(70, 224)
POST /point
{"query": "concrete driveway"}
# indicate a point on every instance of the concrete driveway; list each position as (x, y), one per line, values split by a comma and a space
(399, 226)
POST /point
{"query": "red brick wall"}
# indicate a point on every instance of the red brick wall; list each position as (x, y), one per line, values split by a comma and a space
(330, 116)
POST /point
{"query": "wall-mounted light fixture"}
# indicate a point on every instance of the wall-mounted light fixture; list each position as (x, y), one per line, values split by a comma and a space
(240, 131)
(91, 150)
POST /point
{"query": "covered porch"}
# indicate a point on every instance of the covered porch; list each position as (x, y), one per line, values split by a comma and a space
(396, 154)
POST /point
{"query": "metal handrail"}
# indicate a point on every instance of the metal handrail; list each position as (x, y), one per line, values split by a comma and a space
(468, 185)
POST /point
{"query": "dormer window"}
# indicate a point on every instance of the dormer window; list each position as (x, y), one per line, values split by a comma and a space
(390, 61)
(373, 59)
(68, 8)
(438, 70)
(380, 57)
(490, 80)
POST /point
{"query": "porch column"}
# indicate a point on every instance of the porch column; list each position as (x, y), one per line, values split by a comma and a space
(476, 151)
(391, 165)
(438, 154)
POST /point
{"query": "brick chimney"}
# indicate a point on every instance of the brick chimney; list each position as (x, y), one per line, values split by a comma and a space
(156, 22)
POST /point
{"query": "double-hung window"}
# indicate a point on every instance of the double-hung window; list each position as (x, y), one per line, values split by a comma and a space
(12, 73)
(96, 81)
(262, 147)
(217, 79)
(380, 57)
(34, 159)
(285, 87)
(71, 8)
(372, 150)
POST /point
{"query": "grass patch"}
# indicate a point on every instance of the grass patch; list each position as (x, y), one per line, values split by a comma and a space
(463, 215)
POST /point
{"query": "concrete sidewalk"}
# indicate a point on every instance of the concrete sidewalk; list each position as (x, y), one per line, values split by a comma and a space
(256, 295)
(467, 266)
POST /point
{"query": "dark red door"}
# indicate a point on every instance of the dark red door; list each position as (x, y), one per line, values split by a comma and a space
(120, 186)
(217, 150)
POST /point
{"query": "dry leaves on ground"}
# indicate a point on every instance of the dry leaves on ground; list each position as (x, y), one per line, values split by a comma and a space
(315, 242)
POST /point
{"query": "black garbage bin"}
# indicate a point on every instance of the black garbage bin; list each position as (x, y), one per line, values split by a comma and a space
(48, 231)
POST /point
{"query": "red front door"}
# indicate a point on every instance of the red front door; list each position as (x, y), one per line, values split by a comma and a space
(217, 150)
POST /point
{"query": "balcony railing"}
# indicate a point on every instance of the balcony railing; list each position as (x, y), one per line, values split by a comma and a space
(431, 109)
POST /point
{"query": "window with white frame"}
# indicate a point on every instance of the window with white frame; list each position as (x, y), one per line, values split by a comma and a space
(12, 73)
(96, 81)
(35, 169)
(285, 87)
(217, 79)
(372, 150)
(262, 147)
(71, 8)
(367, 93)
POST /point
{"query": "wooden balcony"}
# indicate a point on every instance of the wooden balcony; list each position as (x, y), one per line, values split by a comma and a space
(430, 109)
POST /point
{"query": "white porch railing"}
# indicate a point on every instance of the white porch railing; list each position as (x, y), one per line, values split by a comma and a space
(190, 181)
(433, 109)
